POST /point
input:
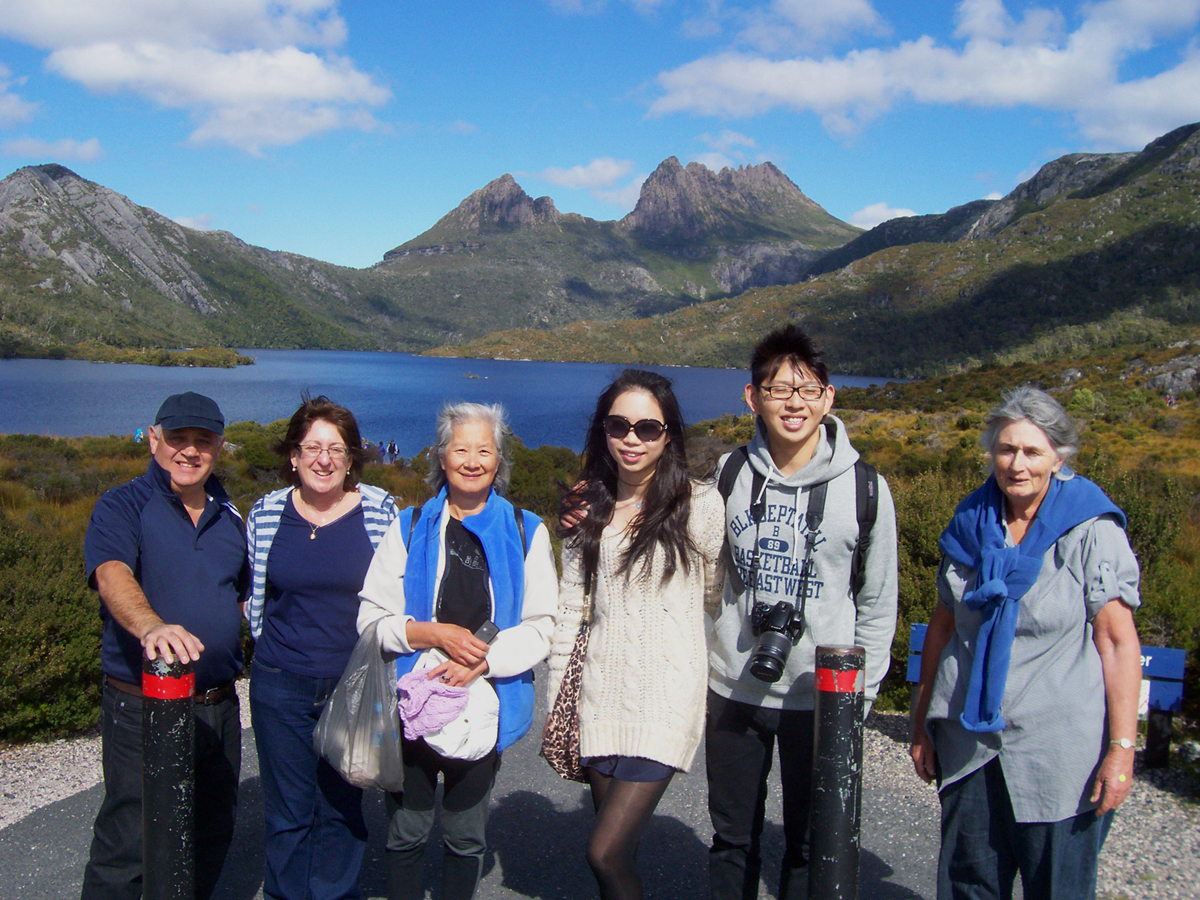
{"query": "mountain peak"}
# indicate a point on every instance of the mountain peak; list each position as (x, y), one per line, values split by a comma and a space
(693, 203)
(501, 204)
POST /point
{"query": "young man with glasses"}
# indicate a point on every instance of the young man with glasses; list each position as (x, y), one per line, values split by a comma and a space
(789, 588)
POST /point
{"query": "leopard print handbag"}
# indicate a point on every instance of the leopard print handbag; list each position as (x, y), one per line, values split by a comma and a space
(560, 740)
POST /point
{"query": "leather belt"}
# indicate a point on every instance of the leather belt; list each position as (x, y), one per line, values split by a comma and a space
(204, 698)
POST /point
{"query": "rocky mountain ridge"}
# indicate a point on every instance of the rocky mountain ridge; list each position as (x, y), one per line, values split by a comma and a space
(1095, 250)
(1091, 238)
(81, 262)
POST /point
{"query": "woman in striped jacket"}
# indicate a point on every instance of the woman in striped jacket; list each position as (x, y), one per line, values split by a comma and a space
(310, 546)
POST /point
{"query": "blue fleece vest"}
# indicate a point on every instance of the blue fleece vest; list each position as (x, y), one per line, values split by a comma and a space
(496, 528)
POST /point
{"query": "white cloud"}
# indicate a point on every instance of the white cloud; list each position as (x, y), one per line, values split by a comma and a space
(13, 110)
(870, 216)
(994, 195)
(997, 61)
(593, 7)
(227, 23)
(252, 73)
(202, 222)
(66, 150)
(729, 149)
(807, 23)
(715, 161)
(726, 140)
(624, 198)
(599, 173)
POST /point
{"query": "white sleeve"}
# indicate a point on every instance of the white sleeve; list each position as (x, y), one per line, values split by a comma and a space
(571, 611)
(381, 599)
(520, 648)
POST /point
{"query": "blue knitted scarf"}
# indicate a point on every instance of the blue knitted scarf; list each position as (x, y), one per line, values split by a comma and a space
(975, 537)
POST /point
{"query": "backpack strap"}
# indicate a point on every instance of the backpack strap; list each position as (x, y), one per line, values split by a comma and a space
(866, 485)
(518, 515)
(734, 463)
(866, 490)
(412, 523)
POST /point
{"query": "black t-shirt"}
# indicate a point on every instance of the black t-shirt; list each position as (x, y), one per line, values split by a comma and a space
(463, 598)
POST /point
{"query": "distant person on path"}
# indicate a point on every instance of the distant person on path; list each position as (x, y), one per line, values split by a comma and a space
(392, 452)
(790, 586)
(382, 451)
(310, 545)
(641, 565)
(1027, 707)
(460, 575)
(167, 554)
(139, 436)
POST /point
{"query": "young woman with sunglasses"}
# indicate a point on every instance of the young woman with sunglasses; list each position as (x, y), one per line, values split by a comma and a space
(640, 559)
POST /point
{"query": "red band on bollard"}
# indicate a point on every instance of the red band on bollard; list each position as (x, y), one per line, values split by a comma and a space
(838, 682)
(165, 688)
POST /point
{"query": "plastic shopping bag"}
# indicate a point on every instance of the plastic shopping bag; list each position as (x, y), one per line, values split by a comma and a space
(359, 729)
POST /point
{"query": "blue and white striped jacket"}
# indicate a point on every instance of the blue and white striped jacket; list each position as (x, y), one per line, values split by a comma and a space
(263, 522)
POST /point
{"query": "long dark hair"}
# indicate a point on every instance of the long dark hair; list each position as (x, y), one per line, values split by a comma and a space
(663, 519)
(314, 409)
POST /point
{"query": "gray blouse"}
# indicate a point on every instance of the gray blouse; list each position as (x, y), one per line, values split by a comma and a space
(1054, 708)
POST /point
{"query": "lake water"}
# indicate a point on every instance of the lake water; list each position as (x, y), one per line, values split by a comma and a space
(394, 396)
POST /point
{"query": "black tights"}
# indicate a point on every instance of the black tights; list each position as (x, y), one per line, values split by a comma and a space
(623, 808)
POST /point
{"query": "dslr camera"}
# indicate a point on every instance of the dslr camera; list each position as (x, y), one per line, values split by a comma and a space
(778, 628)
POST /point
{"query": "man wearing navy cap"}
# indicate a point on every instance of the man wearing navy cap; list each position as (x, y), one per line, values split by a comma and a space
(167, 554)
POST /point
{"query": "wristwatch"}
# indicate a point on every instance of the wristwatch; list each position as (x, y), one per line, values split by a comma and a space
(1124, 743)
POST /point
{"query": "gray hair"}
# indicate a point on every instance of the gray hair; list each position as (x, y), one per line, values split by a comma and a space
(1030, 404)
(451, 417)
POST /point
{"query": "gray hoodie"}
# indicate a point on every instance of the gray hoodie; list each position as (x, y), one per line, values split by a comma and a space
(831, 615)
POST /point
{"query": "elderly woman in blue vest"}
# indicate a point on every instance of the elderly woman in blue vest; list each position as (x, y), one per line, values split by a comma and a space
(310, 545)
(1027, 706)
(465, 575)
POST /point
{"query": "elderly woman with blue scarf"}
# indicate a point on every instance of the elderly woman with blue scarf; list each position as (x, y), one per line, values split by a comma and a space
(473, 578)
(1027, 706)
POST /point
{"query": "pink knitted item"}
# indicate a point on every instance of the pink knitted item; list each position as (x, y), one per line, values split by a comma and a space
(425, 706)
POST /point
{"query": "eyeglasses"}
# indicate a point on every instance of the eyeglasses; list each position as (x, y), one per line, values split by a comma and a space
(808, 392)
(647, 430)
(312, 451)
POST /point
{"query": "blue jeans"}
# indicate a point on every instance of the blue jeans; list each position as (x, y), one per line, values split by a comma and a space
(114, 868)
(984, 847)
(314, 833)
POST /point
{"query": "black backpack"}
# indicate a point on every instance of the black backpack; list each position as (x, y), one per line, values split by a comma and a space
(866, 481)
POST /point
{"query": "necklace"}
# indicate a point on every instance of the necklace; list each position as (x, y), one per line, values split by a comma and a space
(636, 501)
(309, 522)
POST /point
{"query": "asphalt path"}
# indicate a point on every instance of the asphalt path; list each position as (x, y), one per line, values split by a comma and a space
(537, 832)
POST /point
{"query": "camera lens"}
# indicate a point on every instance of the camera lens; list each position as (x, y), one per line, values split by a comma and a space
(770, 656)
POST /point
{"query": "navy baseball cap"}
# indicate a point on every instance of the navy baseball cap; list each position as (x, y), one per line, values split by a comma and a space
(190, 410)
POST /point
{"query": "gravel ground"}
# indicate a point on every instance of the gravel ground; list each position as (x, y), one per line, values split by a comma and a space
(1153, 851)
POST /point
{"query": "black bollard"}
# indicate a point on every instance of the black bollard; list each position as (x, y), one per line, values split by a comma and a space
(837, 774)
(168, 781)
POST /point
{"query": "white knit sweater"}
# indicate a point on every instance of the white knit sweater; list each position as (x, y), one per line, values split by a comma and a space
(646, 673)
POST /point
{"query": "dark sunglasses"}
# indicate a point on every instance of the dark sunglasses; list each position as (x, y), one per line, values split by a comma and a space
(647, 430)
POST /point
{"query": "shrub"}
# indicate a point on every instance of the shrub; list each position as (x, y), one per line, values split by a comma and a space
(49, 634)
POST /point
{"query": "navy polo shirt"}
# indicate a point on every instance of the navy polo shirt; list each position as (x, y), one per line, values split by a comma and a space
(193, 575)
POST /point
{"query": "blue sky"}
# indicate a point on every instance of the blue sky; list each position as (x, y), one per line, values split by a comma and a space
(340, 130)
